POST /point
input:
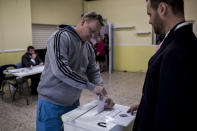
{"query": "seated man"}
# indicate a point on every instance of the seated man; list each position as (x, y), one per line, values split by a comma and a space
(30, 58)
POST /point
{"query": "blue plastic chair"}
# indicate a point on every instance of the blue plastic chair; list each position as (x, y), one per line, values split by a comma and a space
(5, 78)
(19, 65)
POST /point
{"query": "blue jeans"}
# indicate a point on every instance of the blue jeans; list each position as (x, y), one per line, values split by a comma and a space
(49, 115)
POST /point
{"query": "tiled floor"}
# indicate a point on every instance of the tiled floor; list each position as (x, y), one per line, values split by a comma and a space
(123, 87)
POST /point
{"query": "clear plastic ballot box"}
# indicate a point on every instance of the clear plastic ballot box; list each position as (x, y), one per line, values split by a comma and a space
(87, 118)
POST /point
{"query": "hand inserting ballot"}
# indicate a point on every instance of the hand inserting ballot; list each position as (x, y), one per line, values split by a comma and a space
(100, 91)
(109, 103)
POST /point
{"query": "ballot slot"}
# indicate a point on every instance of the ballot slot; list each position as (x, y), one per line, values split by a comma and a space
(73, 115)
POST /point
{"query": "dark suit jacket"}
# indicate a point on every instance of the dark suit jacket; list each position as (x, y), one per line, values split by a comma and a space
(168, 100)
(26, 60)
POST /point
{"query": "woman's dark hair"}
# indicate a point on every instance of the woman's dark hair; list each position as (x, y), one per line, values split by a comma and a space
(30, 47)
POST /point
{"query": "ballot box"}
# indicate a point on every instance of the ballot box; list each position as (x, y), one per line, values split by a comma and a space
(87, 118)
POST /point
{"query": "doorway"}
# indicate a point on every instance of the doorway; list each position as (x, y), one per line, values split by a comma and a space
(106, 35)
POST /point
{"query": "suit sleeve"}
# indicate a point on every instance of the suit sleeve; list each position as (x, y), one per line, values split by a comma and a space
(173, 95)
(26, 61)
(57, 49)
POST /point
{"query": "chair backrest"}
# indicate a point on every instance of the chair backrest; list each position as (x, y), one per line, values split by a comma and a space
(19, 65)
(2, 68)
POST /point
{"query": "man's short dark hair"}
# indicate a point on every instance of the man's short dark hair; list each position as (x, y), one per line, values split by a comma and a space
(30, 47)
(176, 5)
(94, 16)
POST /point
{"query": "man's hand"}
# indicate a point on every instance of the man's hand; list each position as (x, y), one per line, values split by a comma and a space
(109, 104)
(100, 91)
(133, 109)
(33, 56)
(40, 64)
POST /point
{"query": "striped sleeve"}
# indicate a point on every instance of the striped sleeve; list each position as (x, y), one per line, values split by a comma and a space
(58, 53)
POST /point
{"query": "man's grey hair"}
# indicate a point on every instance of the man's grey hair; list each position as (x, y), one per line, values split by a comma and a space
(94, 16)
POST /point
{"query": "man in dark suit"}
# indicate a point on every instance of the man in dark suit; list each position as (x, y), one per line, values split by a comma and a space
(168, 102)
(30, 58)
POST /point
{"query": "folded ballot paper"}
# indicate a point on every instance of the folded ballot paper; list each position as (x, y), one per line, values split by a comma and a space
(93, 117)
(100, 104)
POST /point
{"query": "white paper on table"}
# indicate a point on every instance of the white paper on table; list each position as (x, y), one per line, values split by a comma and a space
(124, 121)
(100, 104)
(118, 116)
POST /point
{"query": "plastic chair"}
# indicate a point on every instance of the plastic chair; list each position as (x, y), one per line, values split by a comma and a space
(9, 79)
(15, 84)
(19, 65)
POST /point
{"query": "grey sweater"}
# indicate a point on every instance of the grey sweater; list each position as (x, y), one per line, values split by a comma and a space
(70, 67)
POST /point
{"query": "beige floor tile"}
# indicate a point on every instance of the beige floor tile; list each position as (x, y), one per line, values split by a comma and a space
(123, 87)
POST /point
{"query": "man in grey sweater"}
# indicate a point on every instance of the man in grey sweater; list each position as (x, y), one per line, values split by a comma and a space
(70, 67)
